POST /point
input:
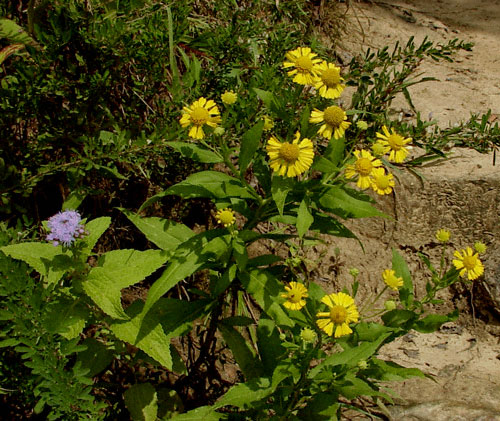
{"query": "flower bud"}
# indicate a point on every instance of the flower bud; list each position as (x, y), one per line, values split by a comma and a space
(390, 305)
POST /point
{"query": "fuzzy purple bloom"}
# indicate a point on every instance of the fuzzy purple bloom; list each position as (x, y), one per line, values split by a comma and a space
(65, 227)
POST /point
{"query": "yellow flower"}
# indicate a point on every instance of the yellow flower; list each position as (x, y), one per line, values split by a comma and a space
(295, 295)
(382, 183)
(391, 280)
(268, 123)
(395, 144)
(308, 335)
(480, 247)
(442, 235)
(333, 118)
(304, 63)
(200, 112)
(229, 97)
(363, 167)
(225, 217)
(328, 82)
(342, 312)
(290, 159)
(379, 149)
(468, 263)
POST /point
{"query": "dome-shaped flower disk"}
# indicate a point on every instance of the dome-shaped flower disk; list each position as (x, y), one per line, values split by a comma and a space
(303, 62)
(363, 167)
(333, 119)
(342, 312)
(65, 227)
(290, 159)
(225, 217)
(468, 263)
(200, 113)
(395, 144)
(328, 83)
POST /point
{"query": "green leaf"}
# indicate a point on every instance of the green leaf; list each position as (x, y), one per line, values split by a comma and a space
(245, 357)
(401, 270)
(246, 395)
(205, 413)
(74, 200)
(265, 289)
(351, 355)
(189, 257)
(266, 97)
(9, 50)
(240, 253)
(390, 371)
(95, 358)
(322, 407)
(174, 313)
(249, 144)
(14, 33)
(369, 331)
(163, 233)
(195, 152)
(433, 322)
(142, 402)
(119, 269)
(48, 260)
(342, 202)
(66, 317)
(280, 188)
(144, 332)
(95, 228)
(399, 318)
(304, 218)
(221, 283)
(323, 165)
(269, 344)
(327, 224)
(354, 387)
(335, 151)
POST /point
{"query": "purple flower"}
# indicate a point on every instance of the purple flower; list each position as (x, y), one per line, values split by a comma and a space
(65, 227)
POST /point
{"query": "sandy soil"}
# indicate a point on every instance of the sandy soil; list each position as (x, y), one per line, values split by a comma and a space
(462, 194)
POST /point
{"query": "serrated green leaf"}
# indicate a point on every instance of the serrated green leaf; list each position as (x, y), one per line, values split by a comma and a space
(119, 269)
(188, 258)
(42, 257)
(246, 395)
(195, 152)
(249, 144)
(244, 355)
(304, 218)
(164, 233)
(145, 332)
(142, 402)
(265, 289)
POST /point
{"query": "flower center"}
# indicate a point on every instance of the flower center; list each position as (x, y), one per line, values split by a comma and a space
(199, 116)
(226, 217)
(395, 142)
(330, 77)
(338, 314)
(334, 116)
(469, 262)
(382, 181)
(363, 166)
(294, 297)
(289, 152)
(304, 64)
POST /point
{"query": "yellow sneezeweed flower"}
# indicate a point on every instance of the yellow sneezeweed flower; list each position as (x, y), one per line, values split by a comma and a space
(468, 263)
(304, 65)
(363, 167)
(201, 112)
(443, 236)
(229, 97)
(268, 123)
(381, 182)
(392, 281)
(378, 149)
(328, 83)
(290, 159)
(394, 143)
(296, 292)
(342, 312)
(225, 217)
(308, 335)
(334, 119)
(480, 247)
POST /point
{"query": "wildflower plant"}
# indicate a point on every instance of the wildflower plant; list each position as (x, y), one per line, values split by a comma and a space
(294, 179)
